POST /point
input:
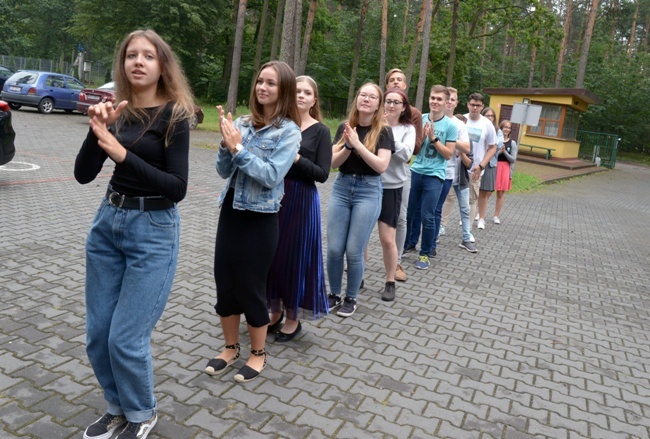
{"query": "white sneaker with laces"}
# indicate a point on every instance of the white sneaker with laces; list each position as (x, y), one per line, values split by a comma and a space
(481, 224)
(497, 220)
(471, 238)
(477, 217)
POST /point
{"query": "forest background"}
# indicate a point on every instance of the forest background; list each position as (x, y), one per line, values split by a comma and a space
(599, 45)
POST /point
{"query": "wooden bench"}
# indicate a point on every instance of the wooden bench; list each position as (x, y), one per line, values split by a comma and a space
(548, 150)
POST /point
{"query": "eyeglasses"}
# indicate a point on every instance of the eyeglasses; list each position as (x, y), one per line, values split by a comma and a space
(367, 96)
(390, 102)
(475, 105)
(491, 116)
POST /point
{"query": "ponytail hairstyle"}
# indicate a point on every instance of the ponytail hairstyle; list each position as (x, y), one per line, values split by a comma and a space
(314, 111)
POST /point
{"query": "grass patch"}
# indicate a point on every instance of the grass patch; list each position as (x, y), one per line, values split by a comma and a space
(523, 182)
(211, 116)
(633, 157)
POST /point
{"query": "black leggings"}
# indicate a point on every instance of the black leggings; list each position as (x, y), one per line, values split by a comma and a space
(243, 252)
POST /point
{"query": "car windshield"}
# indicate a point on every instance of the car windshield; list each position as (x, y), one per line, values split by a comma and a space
(24, 78)
(107, 86)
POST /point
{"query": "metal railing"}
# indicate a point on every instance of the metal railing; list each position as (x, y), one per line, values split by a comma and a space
(600, 148)
(95, 76)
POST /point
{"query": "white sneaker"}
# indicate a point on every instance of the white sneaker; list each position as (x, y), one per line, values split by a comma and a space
(460, 223)
(497, 220)
(471, 238)
(477, 217)
(442, 231)
(481, 223)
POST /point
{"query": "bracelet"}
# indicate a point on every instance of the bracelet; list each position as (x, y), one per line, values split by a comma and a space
(345, 145)
(481, 166)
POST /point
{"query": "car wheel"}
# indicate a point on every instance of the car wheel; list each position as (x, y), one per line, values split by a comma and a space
(194, 122)
(14, 106)
(46, 106)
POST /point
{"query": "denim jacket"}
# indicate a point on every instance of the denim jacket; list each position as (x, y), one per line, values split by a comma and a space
(266, 158)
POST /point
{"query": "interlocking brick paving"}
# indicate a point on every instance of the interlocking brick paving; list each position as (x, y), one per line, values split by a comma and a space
(543, 333)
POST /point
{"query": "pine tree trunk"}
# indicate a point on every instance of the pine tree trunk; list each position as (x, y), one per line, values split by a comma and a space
(531, 71)
(260, 37)
(406, 14)
(424, 57)
(277, 30)
(504, 54)
(630, 48)
(357, 50)
(297, 31)
(416, 44)
(305, 44)
(452, 47)
(287, 51)
(231, 105)
(563, 46)
(384, 37)
(584, 54)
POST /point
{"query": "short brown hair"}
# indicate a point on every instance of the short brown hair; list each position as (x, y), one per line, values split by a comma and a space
(440, 89)
(390, 73)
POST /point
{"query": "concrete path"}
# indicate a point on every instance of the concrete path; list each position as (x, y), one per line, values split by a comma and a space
(544, 333)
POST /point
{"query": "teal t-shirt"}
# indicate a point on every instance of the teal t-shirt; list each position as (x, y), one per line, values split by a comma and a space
(429, 161)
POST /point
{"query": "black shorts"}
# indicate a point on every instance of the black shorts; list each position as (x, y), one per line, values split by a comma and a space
(390, 205)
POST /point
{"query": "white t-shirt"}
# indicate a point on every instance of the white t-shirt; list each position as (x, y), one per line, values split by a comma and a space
(462, 137)
(481, 135)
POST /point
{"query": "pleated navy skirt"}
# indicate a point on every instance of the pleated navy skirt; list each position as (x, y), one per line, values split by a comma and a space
(296, 280)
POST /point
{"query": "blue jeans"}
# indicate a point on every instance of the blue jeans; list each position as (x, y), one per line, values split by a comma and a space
(423, 199)
(462, 195)
(353, 211)
(131, 260)
(446, 186)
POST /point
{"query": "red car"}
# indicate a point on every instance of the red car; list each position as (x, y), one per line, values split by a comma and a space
(92, 96)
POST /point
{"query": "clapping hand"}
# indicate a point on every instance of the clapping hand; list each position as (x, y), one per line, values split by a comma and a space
(230, 134)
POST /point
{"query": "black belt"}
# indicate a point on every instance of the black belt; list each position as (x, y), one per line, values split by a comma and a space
(141, 203)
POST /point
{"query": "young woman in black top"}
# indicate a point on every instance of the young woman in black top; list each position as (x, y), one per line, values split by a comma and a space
(296, 282)
(132, 245)
(362, 149)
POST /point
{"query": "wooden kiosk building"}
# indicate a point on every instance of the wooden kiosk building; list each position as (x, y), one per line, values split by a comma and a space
(558, 125)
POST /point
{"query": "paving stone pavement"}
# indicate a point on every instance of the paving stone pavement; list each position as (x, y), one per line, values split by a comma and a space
(544, 333)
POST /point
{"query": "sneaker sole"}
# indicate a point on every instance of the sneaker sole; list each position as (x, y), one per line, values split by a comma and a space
(469, 250)
(421, 268)
(345, 314)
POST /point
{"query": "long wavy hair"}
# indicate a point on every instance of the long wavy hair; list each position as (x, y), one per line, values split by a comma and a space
(286, 106)
(314, 111)
(377, 124)
(172, 84)
(405, 115)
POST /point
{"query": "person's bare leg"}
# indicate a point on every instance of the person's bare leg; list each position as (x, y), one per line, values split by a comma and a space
(499, 204)
(483, 197)
(389, 249)
(289, 325)
(230, 327)
(258, 341)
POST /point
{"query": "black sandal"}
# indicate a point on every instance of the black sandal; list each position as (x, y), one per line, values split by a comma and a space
(275, 327)
(217, 366)
(247, 373)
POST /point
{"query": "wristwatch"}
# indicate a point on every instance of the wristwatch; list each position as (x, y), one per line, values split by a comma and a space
(238, 147)
(436, 139)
